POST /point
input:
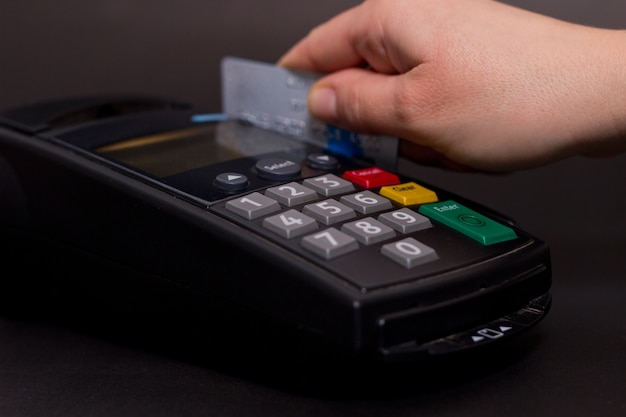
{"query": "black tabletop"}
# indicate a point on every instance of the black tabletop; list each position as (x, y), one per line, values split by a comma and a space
(59, 357)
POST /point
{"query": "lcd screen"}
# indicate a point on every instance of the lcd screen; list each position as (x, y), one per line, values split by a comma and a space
(169, 153)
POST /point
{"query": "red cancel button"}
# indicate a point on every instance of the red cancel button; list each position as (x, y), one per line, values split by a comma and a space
(371, 177)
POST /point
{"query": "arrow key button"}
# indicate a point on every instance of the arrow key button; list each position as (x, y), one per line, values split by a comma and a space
(231, 181)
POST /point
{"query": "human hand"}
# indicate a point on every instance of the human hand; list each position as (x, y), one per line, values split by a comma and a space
(469, 84)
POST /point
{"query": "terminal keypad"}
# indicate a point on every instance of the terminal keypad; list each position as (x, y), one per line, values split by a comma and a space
(330, 216)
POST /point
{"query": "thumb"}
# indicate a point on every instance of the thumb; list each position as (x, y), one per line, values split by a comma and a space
(356, 99)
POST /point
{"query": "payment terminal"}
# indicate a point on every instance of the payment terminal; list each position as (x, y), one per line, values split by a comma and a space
(375, 262)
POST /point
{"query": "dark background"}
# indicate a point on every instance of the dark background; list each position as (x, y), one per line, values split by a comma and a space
(573, 364)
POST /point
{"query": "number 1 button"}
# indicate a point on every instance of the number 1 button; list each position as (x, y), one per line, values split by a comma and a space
(253, 206)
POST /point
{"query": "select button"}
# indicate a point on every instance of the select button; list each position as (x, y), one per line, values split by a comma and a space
(278, 169)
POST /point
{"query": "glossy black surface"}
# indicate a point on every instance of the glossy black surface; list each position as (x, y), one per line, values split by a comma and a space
(54, 362)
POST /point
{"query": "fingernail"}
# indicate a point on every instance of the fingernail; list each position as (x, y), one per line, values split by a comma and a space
(323, 103)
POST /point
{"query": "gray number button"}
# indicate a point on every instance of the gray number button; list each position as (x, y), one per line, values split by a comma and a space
(329, 211)
(368, 231)
(328, 185)
(330, 243)
(366, 202)
(290, 224)
(291, 194)
(409, 252)
(405, 220)
(253, 206)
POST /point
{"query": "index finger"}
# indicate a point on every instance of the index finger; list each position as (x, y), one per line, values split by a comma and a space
(331, 46)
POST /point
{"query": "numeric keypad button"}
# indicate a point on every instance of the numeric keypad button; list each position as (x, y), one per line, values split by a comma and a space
(329, 185)
(409, 252)
(329, 211)
(253, 206)
(291, 194)
(366, 202)
(290, 224)
(368, 230)
(405, 220)
(329, 243)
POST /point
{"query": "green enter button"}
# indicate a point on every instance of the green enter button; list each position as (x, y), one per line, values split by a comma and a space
(468, 222)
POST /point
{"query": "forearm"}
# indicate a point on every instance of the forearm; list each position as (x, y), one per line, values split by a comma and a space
(607, 134)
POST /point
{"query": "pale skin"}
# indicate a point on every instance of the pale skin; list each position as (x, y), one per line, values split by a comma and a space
(472, 85)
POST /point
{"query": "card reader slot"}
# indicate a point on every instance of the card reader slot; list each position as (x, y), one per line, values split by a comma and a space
(90, 136)
(462, 314)
(70, 112)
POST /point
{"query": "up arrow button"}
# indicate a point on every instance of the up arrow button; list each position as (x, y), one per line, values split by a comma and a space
(231, 181)
(322, 161)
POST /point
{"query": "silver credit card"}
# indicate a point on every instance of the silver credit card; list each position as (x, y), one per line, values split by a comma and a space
(275, 98)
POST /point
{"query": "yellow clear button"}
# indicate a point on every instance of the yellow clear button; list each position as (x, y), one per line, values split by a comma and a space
(408, 194)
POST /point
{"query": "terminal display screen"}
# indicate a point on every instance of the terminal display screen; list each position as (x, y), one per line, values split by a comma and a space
(169, 153)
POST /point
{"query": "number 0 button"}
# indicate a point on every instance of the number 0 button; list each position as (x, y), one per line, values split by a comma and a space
(409, 252)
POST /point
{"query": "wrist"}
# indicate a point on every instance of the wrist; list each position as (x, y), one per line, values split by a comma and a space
(601, 121)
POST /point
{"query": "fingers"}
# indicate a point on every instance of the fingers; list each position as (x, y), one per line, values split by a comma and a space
(327, 48)
(359, 100)
(353, 38)
(425, 155)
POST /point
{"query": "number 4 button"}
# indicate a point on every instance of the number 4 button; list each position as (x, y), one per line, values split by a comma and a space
(290, 224)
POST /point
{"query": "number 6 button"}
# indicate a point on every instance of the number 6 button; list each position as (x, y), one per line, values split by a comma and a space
(366, 202)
